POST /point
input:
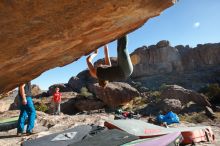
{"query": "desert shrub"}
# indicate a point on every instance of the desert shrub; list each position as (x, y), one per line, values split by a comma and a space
(135, 103)
(1, 96)
(155, 95)
(194, 118)
(162, 87)
(212, 91)
(84, 92)
(41, 106)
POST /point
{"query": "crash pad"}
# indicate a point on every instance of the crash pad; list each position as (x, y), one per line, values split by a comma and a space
(8, 123)
(147, 130)
(81, 132)
(112, 137)
(6, 120)
(171, 139)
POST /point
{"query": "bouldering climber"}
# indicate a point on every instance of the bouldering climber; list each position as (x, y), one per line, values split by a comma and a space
(107, 72)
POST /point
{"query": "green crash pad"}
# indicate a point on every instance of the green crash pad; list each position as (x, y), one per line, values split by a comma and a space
(8, 123)
(6, 120)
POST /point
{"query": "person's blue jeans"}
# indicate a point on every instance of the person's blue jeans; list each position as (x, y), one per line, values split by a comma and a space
(27, 110)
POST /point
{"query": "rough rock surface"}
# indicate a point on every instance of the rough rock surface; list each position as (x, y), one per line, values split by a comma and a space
(7, 100)
(115, 93)
(189, 67)
(80, 104)
(185, 96)
(35, 90)
(167, 105)
(81, 80)
(55, 34)
(154, 60)
(163, 58)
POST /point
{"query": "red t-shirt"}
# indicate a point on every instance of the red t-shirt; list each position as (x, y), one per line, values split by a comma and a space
(57, 97)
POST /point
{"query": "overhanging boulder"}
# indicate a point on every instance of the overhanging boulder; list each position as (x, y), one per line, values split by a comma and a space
(39, 35)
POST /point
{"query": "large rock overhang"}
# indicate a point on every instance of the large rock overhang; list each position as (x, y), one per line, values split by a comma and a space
(38, 35)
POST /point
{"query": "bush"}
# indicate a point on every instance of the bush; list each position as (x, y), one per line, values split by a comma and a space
(41, 106)
(213, 92)
(1, 96)
(162, 87)
(194, 118)
(84, 92)
(155, 95)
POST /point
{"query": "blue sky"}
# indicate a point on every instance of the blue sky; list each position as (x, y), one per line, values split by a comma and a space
(188, 22)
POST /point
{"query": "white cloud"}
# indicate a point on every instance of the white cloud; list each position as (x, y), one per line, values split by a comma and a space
(196, 24)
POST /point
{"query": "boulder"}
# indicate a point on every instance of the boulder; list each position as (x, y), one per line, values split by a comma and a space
(80, 104)
(75, 83)
(210, 113)
(86, 77)
(63, 88)
(39, 35)
(7, 101)
(81, 80)
(5, 105)
(88, 104)
(114, 94)
(35, 90)
(184, 96)
(192, 107)
(167, 105)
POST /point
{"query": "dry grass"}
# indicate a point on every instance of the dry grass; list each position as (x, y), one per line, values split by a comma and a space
(136, 103)
(217, 114)
(194, 118)
(199, 117)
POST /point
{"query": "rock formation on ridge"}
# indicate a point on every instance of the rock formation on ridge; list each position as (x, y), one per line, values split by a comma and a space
(191, 68)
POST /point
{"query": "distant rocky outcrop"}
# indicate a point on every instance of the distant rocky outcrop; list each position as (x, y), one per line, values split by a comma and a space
(189, 67)
(63, 88)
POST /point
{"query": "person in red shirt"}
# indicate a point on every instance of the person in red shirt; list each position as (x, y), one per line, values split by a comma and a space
(57, 100)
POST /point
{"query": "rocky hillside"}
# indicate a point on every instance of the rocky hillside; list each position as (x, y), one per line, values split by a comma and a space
(164, 64)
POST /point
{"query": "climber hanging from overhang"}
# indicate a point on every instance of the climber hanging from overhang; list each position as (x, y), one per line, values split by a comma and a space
(107, 72)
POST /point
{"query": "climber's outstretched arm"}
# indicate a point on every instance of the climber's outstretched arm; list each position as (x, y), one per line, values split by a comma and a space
(107, 59)
(92, 69)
